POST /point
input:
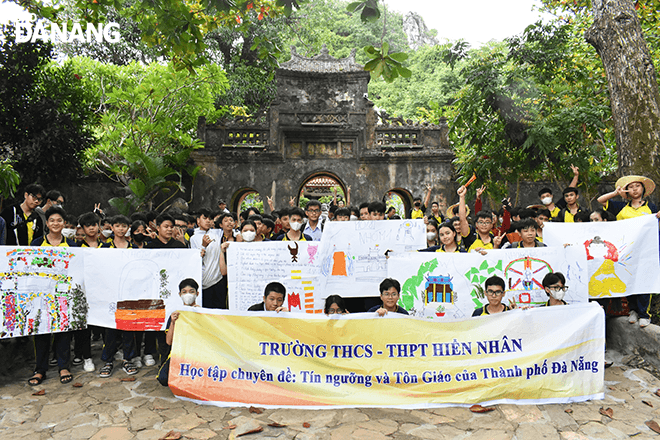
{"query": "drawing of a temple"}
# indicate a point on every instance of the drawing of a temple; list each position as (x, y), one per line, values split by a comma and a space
(439, 288)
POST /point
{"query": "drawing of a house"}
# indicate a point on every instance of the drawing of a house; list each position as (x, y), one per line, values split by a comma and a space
(439, 288)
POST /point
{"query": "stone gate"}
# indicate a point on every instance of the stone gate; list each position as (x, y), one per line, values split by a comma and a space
(321, 124)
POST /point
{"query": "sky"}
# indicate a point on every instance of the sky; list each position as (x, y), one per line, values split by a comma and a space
(476, 21)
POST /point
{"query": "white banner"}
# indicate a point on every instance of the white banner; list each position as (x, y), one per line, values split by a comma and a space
(622, 256)
(137, 289)
(449, 286)
(353, 257)
(41, 290)
(251, 266)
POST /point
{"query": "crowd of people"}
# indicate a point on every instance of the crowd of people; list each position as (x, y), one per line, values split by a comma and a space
(40, 220)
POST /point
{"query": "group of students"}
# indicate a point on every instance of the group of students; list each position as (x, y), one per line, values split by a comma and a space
(33, 222)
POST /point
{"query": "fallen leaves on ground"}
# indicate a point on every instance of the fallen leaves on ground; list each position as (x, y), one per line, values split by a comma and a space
(127, 379)
(230, 427)
(306, 425)
(657, 393)
(258, 429)
(40, 393)
(276, 425)
(481, 409)
(172, 435)
(647, 403)
(77, 385)
(609, 412)
(254, 410)
(653, 425)
(568, 411)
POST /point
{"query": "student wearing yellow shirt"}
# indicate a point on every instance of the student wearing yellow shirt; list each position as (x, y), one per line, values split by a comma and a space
(22, 221)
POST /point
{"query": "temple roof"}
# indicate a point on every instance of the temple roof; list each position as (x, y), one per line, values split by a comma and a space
(322, 63)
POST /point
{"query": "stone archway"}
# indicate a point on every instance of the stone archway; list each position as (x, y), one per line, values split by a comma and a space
(318, 185)
(399, 196)
(238, 198)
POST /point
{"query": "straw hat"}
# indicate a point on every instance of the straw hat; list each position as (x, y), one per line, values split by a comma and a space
(649, 185)
(454, 207)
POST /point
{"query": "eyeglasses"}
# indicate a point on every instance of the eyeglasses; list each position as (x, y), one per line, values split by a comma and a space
(334, 311)
(314, 210)
(390, 295)
(558, 288)
(490, 292)
(484, 223)
(37, 198)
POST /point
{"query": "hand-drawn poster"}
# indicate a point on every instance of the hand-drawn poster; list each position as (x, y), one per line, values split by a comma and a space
(251, 266)
(137, 289)
(451, 286)
(40, 291)
(622, 256)
(353, 257)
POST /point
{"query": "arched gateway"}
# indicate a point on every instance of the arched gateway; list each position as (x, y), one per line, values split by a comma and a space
(321, 123)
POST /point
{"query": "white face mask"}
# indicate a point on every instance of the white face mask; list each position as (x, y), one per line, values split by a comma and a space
(558, 295)
(546, 201)
(188, 299)
(353, 218)
(430, 236)
(249, 235)
(68, 232)
(295, 226)
(106, 232)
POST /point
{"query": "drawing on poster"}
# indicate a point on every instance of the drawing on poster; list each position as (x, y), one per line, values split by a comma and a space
(311, 251)
(604, 281)
(526, 274)
(38, 294)
(145, 280)
(294, 252)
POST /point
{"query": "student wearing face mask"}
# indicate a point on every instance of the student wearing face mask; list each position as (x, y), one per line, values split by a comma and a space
(545, 195)
(555, 287)
(248, 232)
(295, 222)
(188, 292)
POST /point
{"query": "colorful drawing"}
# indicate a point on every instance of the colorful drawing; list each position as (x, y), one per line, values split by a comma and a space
(294, 252)
(604, 281)
(311, 251)
(294, 301)
(439, 288)
(141, 314)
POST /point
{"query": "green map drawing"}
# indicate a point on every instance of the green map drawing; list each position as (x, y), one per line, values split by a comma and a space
(409, 290)
(478, 277)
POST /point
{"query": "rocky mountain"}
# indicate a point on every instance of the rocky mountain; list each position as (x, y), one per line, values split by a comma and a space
(417, 32)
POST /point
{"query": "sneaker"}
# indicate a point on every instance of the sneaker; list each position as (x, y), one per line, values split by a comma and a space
(633, 317)
(89, 365)
(137, 362)
(53, 362)
(149, 360)
(119, 355)
(76, 361)
(106, 370)
(129, 368)
(644, 322)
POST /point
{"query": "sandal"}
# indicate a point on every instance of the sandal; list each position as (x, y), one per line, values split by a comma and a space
(129, 368)
(106, 370)
(34, 380)
(66, 378)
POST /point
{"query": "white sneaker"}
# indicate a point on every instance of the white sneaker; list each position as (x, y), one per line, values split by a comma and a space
(644, 322)
(137, 362)
(633, 317)
(149, 360)
(89, 365)
(119, 356)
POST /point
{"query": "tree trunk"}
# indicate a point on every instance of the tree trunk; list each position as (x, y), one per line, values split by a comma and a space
(617, 36)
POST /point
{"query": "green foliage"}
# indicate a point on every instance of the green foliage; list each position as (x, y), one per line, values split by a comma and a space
(9, 180)
(252, 200)
(147, 125)
(530, 109)
(369, 11)
(44, 111)
(385, 64)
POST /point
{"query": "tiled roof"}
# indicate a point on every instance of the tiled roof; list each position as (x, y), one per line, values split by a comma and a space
(322, 63)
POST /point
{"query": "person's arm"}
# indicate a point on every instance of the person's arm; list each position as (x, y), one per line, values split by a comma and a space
(477, 203)
(462, 213)
(576, 176)
(607, 196)
(427, 199)
(223, 262)
(169, 336)
(271, 205)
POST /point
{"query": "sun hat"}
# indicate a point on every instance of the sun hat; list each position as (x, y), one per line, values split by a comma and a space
(452, 211)
(649, 185)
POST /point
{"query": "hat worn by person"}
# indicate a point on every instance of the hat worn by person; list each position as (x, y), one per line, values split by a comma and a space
(649, 185)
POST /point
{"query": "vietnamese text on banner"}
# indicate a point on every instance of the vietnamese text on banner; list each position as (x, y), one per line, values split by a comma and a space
(622, 256)
(450, 286)
(533, 356)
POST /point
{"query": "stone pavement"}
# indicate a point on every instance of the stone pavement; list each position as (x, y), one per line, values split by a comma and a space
(142, 409)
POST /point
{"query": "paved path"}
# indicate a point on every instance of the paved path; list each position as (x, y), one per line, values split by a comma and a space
(142, 409)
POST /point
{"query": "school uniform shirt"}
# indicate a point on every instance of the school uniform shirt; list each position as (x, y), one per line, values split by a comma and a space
(441, 248)
(519, 244)
(555, 212)
(473, 240)
(399, 309)
(314, 233)
(565, 215)
(481, 311)
(261, 307)
(563, 303)
(417, 213)
(111, 244)
(172, 244)
(43, 241)
(623, 210)
(21, 228)
(303, 237)
(100, 244)
(211, 261)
